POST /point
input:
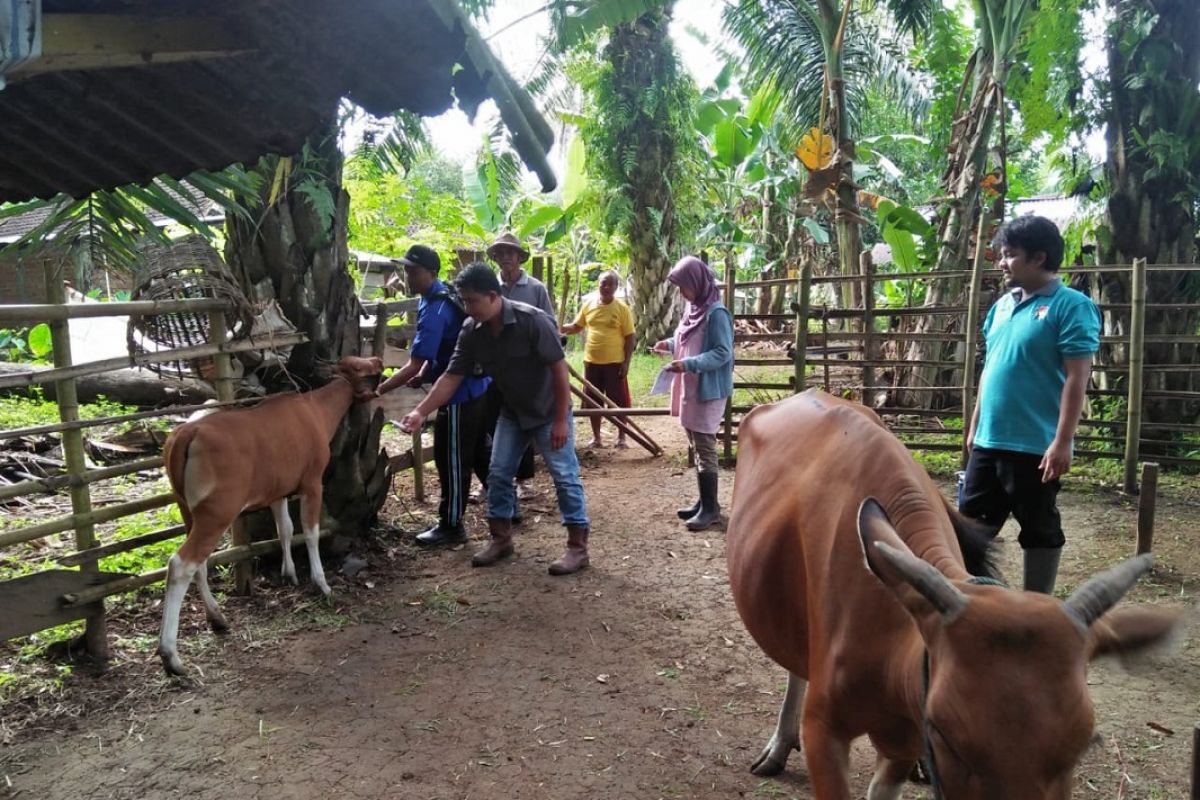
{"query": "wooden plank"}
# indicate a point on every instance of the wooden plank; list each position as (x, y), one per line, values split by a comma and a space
(108, 41)
(31, 603)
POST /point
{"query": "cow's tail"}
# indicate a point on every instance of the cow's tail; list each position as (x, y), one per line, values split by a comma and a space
(175, 454)
(975, 540)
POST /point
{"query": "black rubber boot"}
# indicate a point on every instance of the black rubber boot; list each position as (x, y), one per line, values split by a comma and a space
(688, 512)
(1041, 568)
(442, 534)
(710, 509)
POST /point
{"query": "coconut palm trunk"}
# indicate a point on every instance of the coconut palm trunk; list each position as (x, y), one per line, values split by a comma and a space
(295, 253)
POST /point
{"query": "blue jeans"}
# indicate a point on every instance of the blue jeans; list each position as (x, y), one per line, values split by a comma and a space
(508, 443)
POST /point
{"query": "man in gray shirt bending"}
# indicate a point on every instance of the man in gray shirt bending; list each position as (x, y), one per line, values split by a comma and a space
(516, 284)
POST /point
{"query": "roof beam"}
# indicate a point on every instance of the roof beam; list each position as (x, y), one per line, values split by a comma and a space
(106, 41)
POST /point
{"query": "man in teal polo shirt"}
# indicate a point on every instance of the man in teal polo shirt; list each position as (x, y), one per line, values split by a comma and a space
(1040, 338)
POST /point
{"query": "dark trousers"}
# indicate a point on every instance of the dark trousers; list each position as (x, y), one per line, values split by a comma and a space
(459, 448)
(1003, 482)
(494, 401)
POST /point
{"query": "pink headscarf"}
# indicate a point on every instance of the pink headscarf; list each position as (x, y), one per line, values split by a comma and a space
(697, 277)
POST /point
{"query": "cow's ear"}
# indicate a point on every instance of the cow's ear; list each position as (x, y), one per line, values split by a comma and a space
(1131, 632)
(916, 583)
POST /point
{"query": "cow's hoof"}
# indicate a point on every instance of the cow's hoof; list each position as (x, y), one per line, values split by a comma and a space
(172, 664)
(773, 759)
(218, 625)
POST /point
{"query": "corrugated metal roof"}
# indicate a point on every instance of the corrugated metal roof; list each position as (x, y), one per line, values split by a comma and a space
(82, 130)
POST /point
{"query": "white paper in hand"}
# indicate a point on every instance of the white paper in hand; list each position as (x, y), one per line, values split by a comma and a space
(662, 384)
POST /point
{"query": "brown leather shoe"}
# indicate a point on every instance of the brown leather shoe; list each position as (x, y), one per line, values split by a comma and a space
(499, 547)
(576, 557)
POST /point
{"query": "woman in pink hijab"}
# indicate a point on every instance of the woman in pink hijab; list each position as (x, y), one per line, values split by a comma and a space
(703, 351)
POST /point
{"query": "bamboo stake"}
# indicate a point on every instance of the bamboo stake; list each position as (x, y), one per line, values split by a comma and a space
(1137, 334)
(95, 634)
(243, 573)
(1147, 499)
(972, 332)
(867, 265)
(801, 308)
(379, 343)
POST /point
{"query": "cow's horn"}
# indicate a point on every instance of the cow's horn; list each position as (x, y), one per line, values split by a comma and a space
(924, 577)
(1089, 602)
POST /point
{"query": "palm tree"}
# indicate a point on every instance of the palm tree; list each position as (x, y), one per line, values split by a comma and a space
(823, 61)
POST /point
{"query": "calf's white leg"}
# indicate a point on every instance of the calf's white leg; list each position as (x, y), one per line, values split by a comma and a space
(283, 524)
(216, 620)
(310, 517)
(179, 578)
(786, 738)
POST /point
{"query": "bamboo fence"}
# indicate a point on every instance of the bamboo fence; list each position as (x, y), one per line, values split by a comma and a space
(831, 343)
(56, 596)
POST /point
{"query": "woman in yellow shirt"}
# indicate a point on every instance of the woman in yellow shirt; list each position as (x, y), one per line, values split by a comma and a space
(610, 343)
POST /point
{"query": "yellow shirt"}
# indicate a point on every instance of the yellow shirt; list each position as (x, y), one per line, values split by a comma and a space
(607, 326)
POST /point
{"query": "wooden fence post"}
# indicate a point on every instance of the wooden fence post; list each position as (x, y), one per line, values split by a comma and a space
(1137, 334)
(1147, 498)
(972, 333)
(379, 342)
(867, 265)
(801, 307)
(243, 572)
(95, 634)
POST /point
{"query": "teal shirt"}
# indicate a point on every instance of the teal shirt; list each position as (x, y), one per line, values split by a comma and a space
(1020, 392)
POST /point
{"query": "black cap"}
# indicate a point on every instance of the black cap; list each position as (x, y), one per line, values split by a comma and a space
(421, 256)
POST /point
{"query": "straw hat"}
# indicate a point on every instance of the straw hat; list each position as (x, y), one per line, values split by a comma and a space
(508, 240)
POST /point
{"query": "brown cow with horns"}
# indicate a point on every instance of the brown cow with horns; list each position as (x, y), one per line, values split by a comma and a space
(847, 567)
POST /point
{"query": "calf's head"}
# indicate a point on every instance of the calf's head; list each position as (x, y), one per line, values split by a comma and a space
(1007, 711)
(361, 373)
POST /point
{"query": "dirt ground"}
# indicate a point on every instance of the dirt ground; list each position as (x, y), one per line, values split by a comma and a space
(425, 678)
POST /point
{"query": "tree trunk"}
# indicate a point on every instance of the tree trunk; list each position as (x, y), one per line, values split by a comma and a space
(133, 387)
(1151, 214)
(644, 64)
(958, 222)
(295, 252)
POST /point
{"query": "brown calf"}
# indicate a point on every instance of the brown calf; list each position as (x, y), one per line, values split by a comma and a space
(233, 461)
(847, 568)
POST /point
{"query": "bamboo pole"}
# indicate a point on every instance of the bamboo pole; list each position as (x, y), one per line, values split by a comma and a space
(95, 635)
(264, 342)
(82, 424)
(867, 267)
(731, 303)
(123, 546)
(230, 555)
(972, 332)
(1147, 499)
(801, 307)
(1137, 336)
(243, 573)
(95, 517)
(622, 424)
(19, 314)
(610, 403)
(42, 485)
(825, 334)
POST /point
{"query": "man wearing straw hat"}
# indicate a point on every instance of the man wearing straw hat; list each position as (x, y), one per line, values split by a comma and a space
(516, 284)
